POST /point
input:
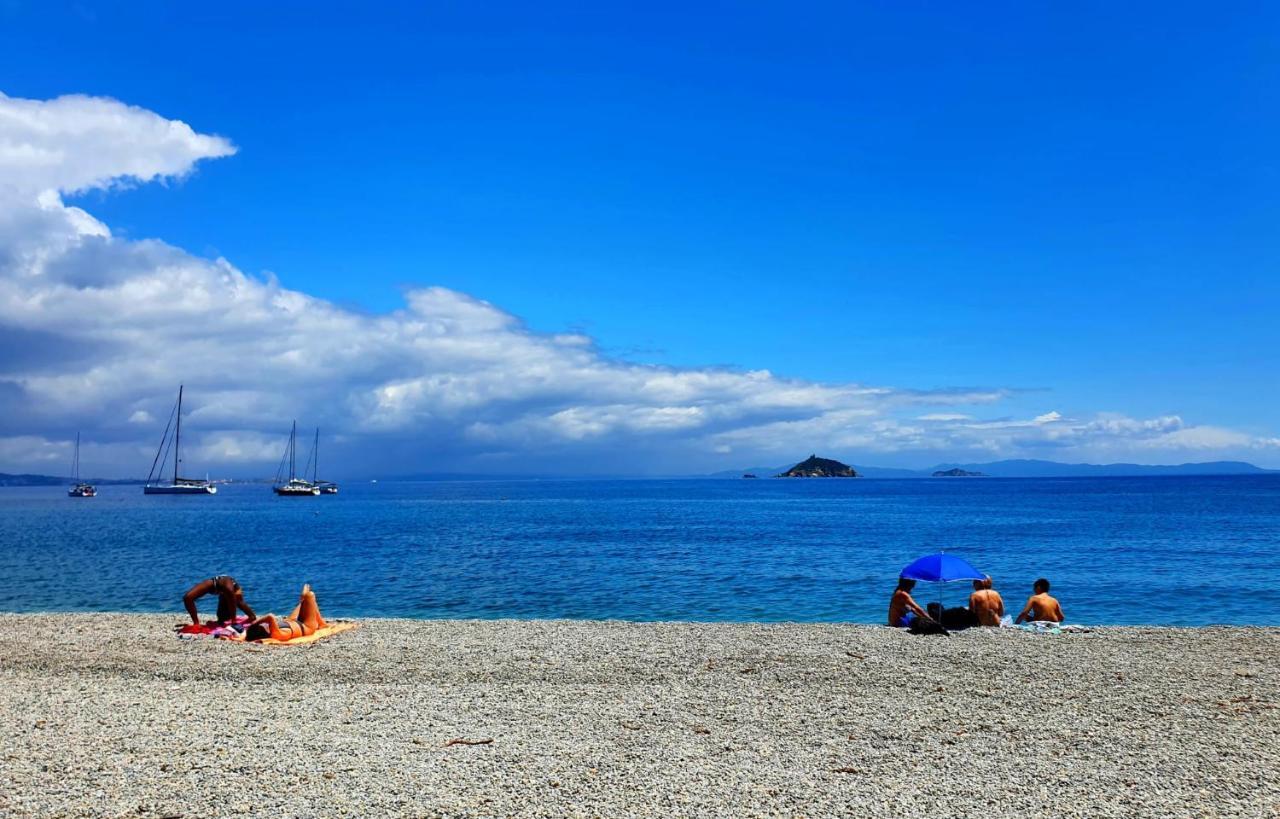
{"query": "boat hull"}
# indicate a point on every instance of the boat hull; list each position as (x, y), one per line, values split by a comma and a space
(78, 492)
(179, 489)
(296, 491)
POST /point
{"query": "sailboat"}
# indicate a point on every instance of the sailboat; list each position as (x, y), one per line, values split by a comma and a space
(156, 485)
(295, 487)
(326, 487)
(81, 489)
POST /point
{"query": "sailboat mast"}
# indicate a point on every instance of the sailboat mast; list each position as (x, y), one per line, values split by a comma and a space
(315, 465)
(75, 465)
(293, 445)
(177, 436)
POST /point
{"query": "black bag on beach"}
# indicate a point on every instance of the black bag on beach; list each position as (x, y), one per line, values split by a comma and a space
(956, 618)
(922, 626)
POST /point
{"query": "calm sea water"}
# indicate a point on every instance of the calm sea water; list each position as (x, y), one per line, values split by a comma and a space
(1184, 551)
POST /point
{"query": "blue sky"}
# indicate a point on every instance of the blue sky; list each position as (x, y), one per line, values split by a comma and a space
(1073, 204)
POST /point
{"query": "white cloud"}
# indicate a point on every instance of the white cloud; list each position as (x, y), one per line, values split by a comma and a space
(74, 143)
(234, 447)
(35, 450)
(1202, 438)
(97, 331)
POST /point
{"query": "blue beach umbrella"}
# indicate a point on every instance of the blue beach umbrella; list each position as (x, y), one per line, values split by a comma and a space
(941, 568)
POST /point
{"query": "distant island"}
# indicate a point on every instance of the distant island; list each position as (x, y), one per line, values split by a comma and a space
(958, 473)
(1035, 469)
(815, 467)
(1052, 469)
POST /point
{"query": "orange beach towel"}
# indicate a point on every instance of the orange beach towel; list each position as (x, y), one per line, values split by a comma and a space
(334, 627)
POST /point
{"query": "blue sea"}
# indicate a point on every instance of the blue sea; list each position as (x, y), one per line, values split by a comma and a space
(1166, 550)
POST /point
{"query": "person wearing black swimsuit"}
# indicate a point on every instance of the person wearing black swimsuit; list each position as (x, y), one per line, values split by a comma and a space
(303, 621)
(230, 598)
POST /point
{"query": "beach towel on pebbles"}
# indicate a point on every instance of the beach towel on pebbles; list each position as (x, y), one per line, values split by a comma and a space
(229, 630)
(334, 627)
(1045, 627)
(234, 630)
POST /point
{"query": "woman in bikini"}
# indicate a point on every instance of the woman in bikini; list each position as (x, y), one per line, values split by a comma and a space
(303, 621)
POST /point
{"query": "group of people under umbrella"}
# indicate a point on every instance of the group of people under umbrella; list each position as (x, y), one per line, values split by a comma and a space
(986, 607)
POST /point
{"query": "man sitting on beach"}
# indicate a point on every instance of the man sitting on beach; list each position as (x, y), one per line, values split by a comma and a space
(985, 603)
(230, 598)
(903, 611)
(1041, 606)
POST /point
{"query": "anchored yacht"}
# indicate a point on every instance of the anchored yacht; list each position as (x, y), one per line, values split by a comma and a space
(156, 484)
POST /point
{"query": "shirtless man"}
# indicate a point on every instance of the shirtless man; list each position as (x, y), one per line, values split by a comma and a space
(1040, 606)
(230, 598)
(903, 611)
(986, 603)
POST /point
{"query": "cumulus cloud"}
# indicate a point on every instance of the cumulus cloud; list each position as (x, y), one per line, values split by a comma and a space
(98, 331)
(75, 143)
(33, 449)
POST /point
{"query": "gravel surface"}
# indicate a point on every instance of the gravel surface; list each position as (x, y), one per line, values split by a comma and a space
(115, 716)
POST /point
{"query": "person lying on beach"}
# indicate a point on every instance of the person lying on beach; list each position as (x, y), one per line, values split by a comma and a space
(303, 621)
(985, 603)
(1040, 606)
(903, 611)
(230, 598)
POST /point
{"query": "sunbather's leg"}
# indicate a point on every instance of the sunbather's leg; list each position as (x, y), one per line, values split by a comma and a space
(307, 612)
(293, 615)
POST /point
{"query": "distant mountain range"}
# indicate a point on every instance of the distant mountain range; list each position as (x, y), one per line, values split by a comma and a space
(52, 480)
(1036, 469)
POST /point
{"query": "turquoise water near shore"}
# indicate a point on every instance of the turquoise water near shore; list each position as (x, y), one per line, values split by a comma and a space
(1193, 550)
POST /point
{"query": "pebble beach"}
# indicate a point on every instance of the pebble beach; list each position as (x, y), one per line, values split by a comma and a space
(112, 715)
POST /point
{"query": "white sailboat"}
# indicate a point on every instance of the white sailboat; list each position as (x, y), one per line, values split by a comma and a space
(294, 487)
(326, 487)
(156, 485)
(80, 489)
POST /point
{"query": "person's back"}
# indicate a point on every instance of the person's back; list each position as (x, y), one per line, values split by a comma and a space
(898, 606)
(230, 597)
(902, 609)
(986, 603)
(1045, 607)
(1041, 606)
